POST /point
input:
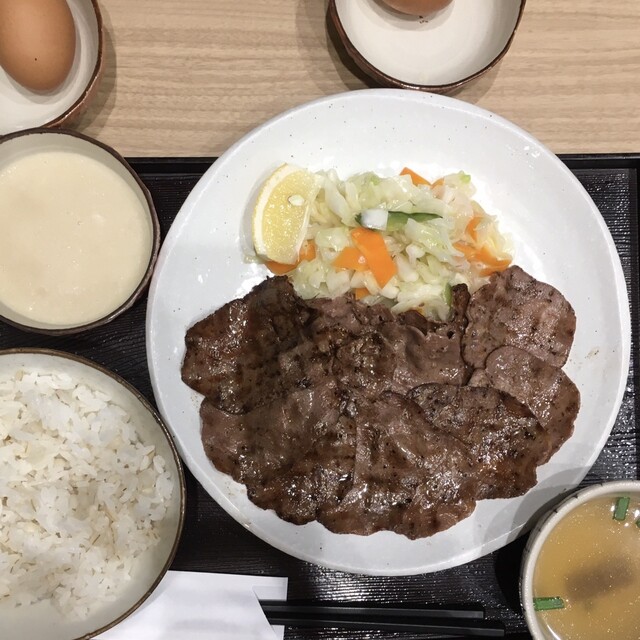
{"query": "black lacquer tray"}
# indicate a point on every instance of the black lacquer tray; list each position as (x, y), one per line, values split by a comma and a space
(213, 541)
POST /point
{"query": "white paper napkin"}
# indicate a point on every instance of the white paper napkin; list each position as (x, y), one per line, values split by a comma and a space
(204, 606)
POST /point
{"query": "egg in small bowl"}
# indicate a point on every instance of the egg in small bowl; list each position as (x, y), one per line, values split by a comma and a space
(51, 61)
(436, 46)
(417, 7)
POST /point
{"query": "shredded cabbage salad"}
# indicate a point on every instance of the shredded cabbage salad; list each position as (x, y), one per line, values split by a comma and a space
(401, 240)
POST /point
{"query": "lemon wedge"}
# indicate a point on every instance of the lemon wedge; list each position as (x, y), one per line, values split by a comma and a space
(281, 213)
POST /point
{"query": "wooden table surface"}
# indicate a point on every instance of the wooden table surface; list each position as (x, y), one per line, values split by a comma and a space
(189, 78)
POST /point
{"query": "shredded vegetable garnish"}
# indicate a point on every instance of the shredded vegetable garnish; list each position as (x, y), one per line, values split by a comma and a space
(621, 508)
(548, 604)
(402, 241)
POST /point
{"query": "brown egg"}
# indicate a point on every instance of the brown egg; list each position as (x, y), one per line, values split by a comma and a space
(417, 7)
(37, 42)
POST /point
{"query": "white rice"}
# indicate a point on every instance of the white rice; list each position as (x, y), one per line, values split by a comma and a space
(80, 496)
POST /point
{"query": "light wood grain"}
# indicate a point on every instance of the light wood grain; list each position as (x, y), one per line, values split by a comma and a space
(189, 78)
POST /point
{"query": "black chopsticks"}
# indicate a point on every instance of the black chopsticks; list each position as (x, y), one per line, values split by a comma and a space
(461, 622)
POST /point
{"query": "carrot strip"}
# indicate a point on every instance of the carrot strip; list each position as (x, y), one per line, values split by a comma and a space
(468, 251)
(360, 292)
(489, 270)
(371, 245)
(482, 256)
(307, 252)
(472, 226)
(351, 258)
(486, 257)
(415, 177)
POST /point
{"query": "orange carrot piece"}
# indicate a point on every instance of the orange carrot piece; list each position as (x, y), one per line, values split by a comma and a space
(482, 256)
(351, 258)
(438, 182)
(372, 246)
(472, 226)
(486, 257)
(468, 251)
(415, 177)
(489, 270)
(360, 292)
(307, 252)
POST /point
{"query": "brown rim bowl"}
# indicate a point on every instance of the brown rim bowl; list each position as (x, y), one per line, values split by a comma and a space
(17, 146)
(23, 109)
(438, 53)
(40, 619)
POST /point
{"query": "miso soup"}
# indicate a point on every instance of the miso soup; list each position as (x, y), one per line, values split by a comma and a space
(587, 576)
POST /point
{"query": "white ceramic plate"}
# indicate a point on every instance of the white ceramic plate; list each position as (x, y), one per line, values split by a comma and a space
(42, 620)
(559, 237)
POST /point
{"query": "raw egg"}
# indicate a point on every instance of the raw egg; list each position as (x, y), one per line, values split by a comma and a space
(417, 7)
(37, 42)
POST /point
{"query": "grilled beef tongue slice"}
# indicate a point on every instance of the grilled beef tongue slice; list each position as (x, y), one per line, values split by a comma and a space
(270, 343)
(503, 440)
(516, 309)
(378, 466)
(234, 355)
(408, 477)
(552, 397)
(255, 446)
(336, 321)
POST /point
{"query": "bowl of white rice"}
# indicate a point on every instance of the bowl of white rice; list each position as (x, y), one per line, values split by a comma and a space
(92, 497)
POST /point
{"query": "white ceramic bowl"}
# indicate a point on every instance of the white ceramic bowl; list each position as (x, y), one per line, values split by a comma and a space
(41, 620)
(23, 109)
(437, 53)
(18, 146)
(543, 529)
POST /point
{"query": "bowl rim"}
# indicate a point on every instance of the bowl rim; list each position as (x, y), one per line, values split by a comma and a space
(169, 438)
(155, 236)
(385, 79)
(545, 526)
(87, 93)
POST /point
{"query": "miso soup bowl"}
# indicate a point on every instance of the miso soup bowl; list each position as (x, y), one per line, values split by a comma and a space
(543, 529)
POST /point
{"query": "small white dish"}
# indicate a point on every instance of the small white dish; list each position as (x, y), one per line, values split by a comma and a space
(23, 109)
(558, 236)
(42, 620)
(437, 53)
(541, 532)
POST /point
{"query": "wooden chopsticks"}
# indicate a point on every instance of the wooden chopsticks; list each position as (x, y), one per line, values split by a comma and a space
(461, 622)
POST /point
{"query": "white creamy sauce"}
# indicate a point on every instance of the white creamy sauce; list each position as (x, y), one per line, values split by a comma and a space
(75, 239)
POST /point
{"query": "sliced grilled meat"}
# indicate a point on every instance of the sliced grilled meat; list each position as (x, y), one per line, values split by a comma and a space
(335, 411)
(262, 347)
(545, 389)
(249, 351)
(381, 467)
(516, 309)
(503, 440)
